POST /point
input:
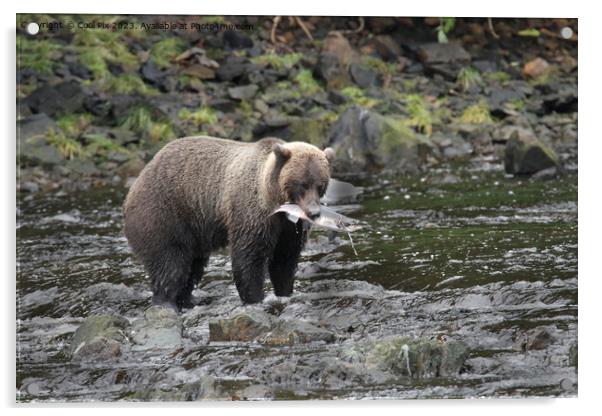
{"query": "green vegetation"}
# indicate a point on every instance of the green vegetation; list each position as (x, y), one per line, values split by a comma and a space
(278, 61)
(73, 125)
(357, 96)
(67, 146)
(129, 84)
(533, 33)
(161, 131)
(306, 82)
(499, 77)
(139, 120)
(99, 145)
(446, 25)
(518, 104)
(387, 69)
(99, 46)
(36, 54)
(476, 114)
(467, 78)
(201, 117)
(165, 51)
(420, 116)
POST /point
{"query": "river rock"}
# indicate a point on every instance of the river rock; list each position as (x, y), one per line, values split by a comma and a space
(527, 155)
(33, 146)
(256, 325)
(56, 100)
(232, 69)
(536, 68)
(243, 93)
(336, 56)
(364, 76)
(161, 328)
(367, 141)
(534, 339)
(441, 53)
(386, 47)
(99, 338)
(411, 357)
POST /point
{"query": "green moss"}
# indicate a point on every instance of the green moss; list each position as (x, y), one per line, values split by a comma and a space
(278, 61)
(385, 68)
(499, 77)
(246, 108)
(467, 78)
(306, 82)
(160, 132)
(36, 54)
(68, 147)
(99, 46)
(395, 133)
(357, 96)
(165, 51)
(73, 125)
(517, 104)
(100, 145)
(202, 116)
(476, 114)
(129, 83)
(420, 117)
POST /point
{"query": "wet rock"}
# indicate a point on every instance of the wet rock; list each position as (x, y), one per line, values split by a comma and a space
(56, 100)
(452, 146)
(536, 68)
(237, 40)
(33, 146)
(81, 167)
(152, 74)
(160, 328)
(99, 338)
(364, 76)
(527, 155)
(28, 186)
(445, 59)
(411, 357)
(561, 99)
(336, 97)
(198, 71)
(366, 141)
(79, 70)
(203, 388)
(38, 298)
(535, 339)
(243, 93)
(255, 325)
(335, 58)
(244, 327)
(439, 53)
(387, 47)
(232, 69)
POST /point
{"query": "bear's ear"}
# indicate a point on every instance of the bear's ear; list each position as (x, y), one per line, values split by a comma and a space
(281, 152)
(329, 153)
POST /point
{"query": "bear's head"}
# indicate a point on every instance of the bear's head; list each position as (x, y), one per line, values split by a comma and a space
(303, 174)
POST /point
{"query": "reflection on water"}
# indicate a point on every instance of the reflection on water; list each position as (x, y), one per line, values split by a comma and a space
(471, 254)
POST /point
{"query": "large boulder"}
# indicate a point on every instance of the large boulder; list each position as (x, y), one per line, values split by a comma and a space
(161, 328)
(32, 144)
(256, 325)
(411, 357)
(334, 61)
(99, 338)
(445, 59)
(365, 141)
(526, 155)
(56, 100)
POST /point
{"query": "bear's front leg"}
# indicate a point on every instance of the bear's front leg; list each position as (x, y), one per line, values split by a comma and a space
(248, 268)
(283, 264)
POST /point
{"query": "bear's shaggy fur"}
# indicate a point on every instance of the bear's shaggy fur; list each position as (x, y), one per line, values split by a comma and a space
(200, 193)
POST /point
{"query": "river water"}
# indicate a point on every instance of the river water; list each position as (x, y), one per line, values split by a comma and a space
(461, 251)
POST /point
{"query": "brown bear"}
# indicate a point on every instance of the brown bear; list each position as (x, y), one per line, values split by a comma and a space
(199, 194)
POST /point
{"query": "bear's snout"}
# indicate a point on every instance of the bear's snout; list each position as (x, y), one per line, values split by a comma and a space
(313, 210)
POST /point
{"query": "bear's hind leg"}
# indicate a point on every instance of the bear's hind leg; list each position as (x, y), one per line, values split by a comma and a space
(169, 273)
(185, 299)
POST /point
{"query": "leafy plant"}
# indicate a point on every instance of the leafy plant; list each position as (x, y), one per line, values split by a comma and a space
(357, 96)
(165, 51)
(139, 120)
(420, 116)
(467, 77)
(68, 147)
(446, 25)
(306, 82)
(73, 125)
